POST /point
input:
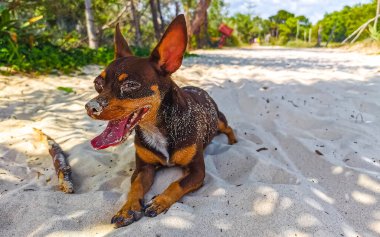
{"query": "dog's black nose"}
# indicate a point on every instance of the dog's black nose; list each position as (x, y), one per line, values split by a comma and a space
(95, 106)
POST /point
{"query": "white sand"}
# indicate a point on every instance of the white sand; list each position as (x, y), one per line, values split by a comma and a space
(292, 102)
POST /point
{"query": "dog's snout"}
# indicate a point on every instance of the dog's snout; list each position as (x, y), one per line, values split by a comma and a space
(95, 106)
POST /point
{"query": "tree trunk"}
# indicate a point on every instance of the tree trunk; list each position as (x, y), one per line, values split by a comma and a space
(136, 24)
(377, 14)
(310, 31)
(202, 37)
(319, 36)
(176, 8)
(162, 23)
(186, 8)
(199, 16)
(157, 29)
(90, 25)
(304, 35)
(331, 34)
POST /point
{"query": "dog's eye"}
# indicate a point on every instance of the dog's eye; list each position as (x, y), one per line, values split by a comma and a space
(99, 84)
(128, 86)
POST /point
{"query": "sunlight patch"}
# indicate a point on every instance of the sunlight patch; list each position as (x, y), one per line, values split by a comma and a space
(363, 198)
(176, 222)
(323, 196)
(265, 205)
(307, 220)
(366, 182)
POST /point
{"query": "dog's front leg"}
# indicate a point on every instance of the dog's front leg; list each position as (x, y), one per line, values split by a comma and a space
(141, 181)
(192, 180)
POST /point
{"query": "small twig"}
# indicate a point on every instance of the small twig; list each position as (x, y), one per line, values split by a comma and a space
(28, 189)
(262, 149)
(319, 153)
(62, 168)
(114, 21)
(291, 101)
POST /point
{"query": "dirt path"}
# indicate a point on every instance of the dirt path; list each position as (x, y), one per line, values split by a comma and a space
(307, 162)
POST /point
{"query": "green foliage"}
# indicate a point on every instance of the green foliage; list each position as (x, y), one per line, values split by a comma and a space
(190, 55)
(347, 21)
(374, 33)
(41, 36)
(216, 15)
(288, 26)
(66, 89)
(233, 41)
(246, 27)
(50, 36)
(48, 58)
(299, 44)
(281, 17)
(26, 46)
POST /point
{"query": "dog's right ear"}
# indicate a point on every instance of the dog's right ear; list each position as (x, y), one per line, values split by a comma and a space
(169, 52)
(121, 46)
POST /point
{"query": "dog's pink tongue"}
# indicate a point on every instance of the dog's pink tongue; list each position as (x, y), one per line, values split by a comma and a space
(111, 136)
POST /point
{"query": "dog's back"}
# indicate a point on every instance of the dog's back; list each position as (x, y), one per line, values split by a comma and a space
(192, 121)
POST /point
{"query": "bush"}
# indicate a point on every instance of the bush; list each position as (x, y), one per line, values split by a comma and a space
(46, 58)
(25, 47)
(299, 44)
(233, 41)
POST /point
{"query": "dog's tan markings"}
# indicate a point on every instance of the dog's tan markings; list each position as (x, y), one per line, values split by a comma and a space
(122, 76)
(142, 180)
(163, 201)
(154, 88)
(155, 101)
(172, 194)
(118, 109)
(135, 194)
(148, 156)
(228, 131)
(103, 74)
(184, 156)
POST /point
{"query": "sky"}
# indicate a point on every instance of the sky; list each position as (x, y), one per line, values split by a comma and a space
(313, 9)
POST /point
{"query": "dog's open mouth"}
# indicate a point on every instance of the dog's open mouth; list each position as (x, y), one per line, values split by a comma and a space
(117, 131)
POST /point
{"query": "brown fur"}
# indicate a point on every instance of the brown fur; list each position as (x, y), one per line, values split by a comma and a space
(180, 123)
(122, 76)
(183, 156)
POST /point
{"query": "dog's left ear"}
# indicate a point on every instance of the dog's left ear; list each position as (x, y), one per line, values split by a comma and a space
(169, 52)
(121, 46)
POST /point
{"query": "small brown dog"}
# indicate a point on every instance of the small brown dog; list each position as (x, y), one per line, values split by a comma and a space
(173, 125)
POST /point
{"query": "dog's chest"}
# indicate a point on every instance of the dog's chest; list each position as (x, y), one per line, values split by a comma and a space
(154, 138)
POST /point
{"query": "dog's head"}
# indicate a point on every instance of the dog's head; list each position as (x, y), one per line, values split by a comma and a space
(130, 87)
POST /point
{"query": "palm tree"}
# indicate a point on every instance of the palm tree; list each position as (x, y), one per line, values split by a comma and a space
(90, 25)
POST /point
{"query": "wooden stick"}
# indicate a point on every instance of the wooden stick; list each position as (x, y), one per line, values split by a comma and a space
(353, 34)
(377, 15)
(117, 18)
(62, 167)
(360, 30)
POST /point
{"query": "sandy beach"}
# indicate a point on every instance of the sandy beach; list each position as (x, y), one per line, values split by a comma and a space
(307, 161)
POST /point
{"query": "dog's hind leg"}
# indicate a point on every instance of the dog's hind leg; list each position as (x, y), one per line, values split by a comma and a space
(224, 128)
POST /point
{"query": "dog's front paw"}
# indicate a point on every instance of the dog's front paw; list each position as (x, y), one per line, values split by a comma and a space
(126, 216)
(157, 205)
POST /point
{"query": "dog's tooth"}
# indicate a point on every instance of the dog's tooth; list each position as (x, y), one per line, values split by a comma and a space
(134, 116)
